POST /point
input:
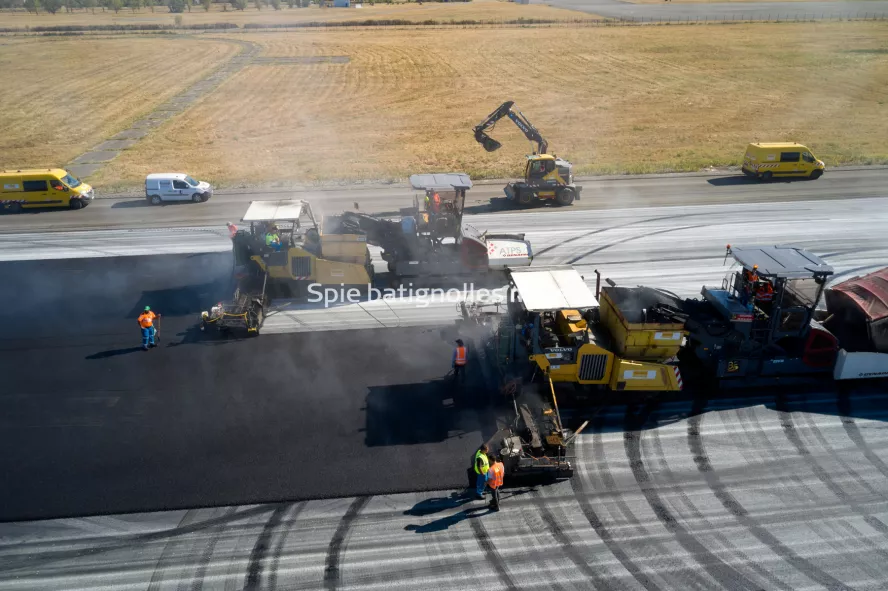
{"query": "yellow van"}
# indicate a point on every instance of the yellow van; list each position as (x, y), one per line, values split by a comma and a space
(765, 161)
(45, 187)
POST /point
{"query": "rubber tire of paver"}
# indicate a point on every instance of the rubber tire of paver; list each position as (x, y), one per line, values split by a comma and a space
(565, 196)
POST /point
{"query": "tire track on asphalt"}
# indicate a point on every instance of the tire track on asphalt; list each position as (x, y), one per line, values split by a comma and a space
(207, 555)
(727, 576)
(789, 430)
(260, 548)
(733, 506)
(332, 573)
(680, 489)
(617, 547)
(636, 237)
(492, 554)
(843, 403)
(618, 227)
(565, 543)
(279, 547)
(167, 553)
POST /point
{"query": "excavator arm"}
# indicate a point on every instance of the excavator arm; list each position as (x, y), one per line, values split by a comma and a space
(518, 118)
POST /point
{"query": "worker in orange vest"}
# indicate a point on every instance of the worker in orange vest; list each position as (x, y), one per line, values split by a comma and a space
(495, 480)
(146, 323)
(460, 356)
(764, 292)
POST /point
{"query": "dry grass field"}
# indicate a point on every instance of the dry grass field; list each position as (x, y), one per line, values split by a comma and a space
(61, 97)
(490, 10)
(627, 99)
(710, 1)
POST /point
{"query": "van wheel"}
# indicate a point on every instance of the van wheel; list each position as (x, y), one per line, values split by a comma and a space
(816, 174)
(196, 198)
(75, 204)
(155, 200)
(767, 176)
(14, 208)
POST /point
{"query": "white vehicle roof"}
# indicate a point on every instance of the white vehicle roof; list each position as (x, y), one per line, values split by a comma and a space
(281, 210)
(558, 287)
(179, 176)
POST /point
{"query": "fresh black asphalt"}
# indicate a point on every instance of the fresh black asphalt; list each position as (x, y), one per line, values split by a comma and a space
(90, 423)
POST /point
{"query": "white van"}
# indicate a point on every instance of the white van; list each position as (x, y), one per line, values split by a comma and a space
(175, 186)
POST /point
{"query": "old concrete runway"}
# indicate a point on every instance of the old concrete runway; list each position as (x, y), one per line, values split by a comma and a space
(780, 491)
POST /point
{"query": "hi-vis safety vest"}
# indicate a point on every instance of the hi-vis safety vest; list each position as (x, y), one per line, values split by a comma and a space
(485, 464)
(765, 293)
(146, 320)
(495, 477)
(460, 356)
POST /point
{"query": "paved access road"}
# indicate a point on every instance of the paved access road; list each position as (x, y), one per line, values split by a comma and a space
(607, 193)
(676, 11)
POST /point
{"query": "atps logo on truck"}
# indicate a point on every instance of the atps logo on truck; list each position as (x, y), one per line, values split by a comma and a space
(506, 251)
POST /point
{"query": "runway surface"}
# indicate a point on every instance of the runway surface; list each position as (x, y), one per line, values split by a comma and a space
(782, 491)
(764, 493)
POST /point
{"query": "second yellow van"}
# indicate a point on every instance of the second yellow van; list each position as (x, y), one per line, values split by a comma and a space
(45, 187)
(765, 161)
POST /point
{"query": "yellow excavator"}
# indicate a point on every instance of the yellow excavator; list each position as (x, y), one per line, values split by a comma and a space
(547, 178)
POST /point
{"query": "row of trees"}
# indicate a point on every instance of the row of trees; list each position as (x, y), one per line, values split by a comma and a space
(54, 6)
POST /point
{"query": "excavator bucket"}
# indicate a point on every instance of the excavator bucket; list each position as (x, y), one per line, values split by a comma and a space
(490, 144)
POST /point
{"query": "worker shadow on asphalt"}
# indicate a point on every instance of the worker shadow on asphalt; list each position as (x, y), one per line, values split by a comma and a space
(114, 353)
(455, 500)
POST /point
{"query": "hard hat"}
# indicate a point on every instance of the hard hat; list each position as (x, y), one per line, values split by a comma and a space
(229, 224)
(147, 308)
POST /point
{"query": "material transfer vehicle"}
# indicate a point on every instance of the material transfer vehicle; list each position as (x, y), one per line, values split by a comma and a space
(765, 161)
(46, 187)
(175, 186)
(547, 178)
(431, 243)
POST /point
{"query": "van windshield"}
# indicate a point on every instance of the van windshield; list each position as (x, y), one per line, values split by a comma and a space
(191, 181)
(71, 181)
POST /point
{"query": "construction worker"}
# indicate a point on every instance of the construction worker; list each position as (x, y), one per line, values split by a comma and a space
(436, 203)
(272, 240)
(764, 292)
(481, 465)
(495, 476)
(146, 323)
(232, 230)
(460, 356)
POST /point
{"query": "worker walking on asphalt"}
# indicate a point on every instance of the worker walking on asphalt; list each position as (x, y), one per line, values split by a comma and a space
(482, 465)
(460, 356)
(146, 323)
(495, 476)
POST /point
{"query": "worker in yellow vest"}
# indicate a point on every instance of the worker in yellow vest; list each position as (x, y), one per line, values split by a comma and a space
(495, 476)
(482, 465)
